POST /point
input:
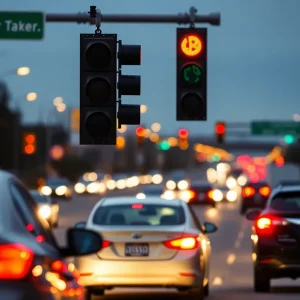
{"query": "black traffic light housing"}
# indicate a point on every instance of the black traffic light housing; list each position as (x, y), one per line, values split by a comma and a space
(98, 83)
(128, 114)
(220, 132)
(191, 70)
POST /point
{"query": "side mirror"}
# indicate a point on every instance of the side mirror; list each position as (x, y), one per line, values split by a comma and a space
(209, 227)
(253, 214)
(82, 242)
(81, 224)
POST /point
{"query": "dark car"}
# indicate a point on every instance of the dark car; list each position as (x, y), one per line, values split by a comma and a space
(48, 207)
(276, 238)
(254, 195)
(58, 187)
(32, 265)
(202, 194)
(153, 191)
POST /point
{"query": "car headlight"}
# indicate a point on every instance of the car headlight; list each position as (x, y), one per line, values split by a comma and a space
(183, 185)
(231, 196)
(61, 190)
(79, 188)
(44, 211)
(171, 185)
(46, 190)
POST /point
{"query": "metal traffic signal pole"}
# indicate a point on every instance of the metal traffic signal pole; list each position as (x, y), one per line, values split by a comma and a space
(213, 19)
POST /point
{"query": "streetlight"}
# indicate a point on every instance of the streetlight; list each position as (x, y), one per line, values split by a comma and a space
(122, 129)
(296, 117)
(23, 71)
(57, 101)
(155, 127)
(143, 108)
(31, 97)
(61, 107)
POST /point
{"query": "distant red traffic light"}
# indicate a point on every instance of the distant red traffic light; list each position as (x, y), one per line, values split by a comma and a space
(183, 133)
(140, 131)
(220, 128)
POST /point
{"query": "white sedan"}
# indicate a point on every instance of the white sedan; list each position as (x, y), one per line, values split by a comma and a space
(147, 243)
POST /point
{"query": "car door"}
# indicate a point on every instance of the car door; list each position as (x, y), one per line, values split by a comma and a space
(205, 242)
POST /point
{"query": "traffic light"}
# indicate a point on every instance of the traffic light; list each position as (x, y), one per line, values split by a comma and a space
(98, 89)
(128, 85)
(289, 139)
(140, 135)
(121, 143)
(29, 143)
(220, 132)
(183, 135)
(191, 74)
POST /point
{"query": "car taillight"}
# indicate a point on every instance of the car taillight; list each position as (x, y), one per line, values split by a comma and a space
(265, 191)
(59, 266)
(265, 224)
(105, 244)
(15, 261)
(187, 242)
(210, 195)
(248, 191)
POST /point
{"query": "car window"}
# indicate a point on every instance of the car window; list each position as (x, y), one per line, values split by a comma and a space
(195, 219)
(286, 202)
(139, 214)
(27, 209)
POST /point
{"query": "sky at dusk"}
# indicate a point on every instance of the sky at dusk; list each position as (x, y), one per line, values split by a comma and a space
(253, 60)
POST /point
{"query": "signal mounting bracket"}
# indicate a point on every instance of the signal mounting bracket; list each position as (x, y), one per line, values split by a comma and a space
(96, 16)
(193, 13)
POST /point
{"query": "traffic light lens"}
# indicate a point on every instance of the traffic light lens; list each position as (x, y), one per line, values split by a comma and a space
(29, 149)
(192, 105)
(220, 129)
(98, 125)
(191, 45)
(140, 131)
(30, 139)
(98, 90)
(183, 133)
(191, 74)
(98, 56)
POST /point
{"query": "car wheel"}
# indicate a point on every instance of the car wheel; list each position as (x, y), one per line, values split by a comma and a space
(206, 290)
(88, 295)
(99, 292)
(243, 209)
(261, 282)
(197, 294)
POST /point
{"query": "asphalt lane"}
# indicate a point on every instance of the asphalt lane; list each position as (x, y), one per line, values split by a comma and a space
(231, 262)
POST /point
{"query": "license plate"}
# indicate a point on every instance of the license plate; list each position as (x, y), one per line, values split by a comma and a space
(201, 196)
(136, 249)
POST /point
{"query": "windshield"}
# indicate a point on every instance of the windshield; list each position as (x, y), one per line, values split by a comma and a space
(38, 198)
(286, 202)
(57, 181)
(139, 214)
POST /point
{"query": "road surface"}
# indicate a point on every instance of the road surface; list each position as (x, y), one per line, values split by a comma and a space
(231, 265)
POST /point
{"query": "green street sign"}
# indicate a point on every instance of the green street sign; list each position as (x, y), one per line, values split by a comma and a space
(275, 128)
(22, 25)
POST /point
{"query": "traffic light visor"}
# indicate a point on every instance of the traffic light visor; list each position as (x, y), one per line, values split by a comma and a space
(140, 131)
(191, 45)
(183, 133)
(220, 129)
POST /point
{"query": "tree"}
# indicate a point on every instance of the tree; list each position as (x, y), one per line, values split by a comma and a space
(72, 166)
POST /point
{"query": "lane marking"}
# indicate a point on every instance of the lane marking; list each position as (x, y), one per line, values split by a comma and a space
(231, 259)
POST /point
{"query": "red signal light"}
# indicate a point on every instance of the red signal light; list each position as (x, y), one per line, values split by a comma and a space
(183, 133)
(140, 131)
(30, 139)
(220, 128)
(279, 161)
(191, 45)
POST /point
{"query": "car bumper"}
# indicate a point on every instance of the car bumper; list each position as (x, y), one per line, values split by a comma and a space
(171, 273)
